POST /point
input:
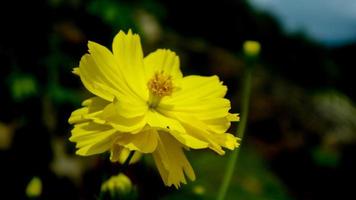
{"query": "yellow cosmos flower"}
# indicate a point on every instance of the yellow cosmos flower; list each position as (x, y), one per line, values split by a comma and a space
(145, 104)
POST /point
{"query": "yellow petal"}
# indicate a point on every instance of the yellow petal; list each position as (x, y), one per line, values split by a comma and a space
(202, 134)
(119, 154)
(171, 161)
(227, 140)
(76, 71)
(145, 141)
(125, 154)
(197, 88)
(199, 130)
(162, 60)
(92, 138)
(93, 106)
(233, 117)
(157, 120)
(129, 57)
(131, 109)
(188, 140)
(199, 96)
(101, 145)
(218, 125)
(181, 133)
(204, 109)
(87, 130)
(93, 80)
(111, 72)
(115, 152)
(163, 171)
(129, 118)
(117, 118)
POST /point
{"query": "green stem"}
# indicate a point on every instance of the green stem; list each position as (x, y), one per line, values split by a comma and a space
(127, 162)
(240, 133)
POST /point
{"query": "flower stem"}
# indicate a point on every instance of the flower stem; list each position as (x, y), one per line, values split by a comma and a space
(127, 162)
(246, 90)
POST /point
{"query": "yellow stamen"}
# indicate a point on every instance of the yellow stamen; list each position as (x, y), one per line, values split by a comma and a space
(160, 85)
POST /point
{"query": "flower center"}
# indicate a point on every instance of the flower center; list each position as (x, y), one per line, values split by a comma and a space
(160, 85)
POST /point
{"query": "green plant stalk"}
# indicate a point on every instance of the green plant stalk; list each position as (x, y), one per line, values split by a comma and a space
(127, 162)
(240, 133)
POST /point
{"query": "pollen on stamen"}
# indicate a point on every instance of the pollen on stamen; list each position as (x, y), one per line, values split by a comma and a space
(160, 85)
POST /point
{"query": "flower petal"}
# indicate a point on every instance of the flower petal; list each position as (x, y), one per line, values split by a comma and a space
(92, 138)
(218, 125)
(200, 130)
(92, 107)
(93, 79)
(144, 142)
(122, 117)
(110, 71)
(188, 140)
(129, 57)
(196, 89)
(227, 140)
(171, 161)
(162, 60)
(201, 97)
(205, 109)
(157, 120)
(131, 109)
(120, 154)
(118, 118)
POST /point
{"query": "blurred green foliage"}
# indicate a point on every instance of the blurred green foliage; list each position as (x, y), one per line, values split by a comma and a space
(114, 13)
(251, 180)
(326, 157)
(123, 14)
(22, 86)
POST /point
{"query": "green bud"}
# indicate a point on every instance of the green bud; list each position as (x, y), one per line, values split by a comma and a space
(34, 188)
(251, 48)
(119, 186)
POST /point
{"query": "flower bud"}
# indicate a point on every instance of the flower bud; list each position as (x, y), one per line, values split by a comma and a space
(119, 187)
(251, 48)
(34, 188)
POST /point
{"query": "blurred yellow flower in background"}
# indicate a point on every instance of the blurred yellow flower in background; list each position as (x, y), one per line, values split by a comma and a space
(34, 188)
(145, 104)
(251, 48)
(118, 186)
